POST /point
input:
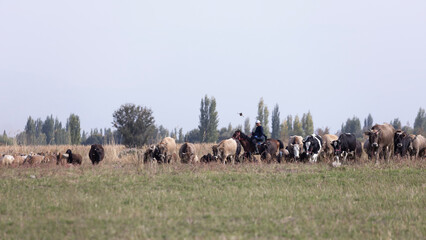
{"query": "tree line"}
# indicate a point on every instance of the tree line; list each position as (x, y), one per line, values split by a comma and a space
(135, 126)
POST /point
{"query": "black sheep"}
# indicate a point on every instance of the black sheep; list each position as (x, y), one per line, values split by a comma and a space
(74, 158)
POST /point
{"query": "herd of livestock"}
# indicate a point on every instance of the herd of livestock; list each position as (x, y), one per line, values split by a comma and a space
(383, 142)
(96, 154)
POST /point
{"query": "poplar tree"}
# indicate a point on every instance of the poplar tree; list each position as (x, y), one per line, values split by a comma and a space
(73, 126)
(247, 127)
(265, 122)
(352, 126)
(180, 136)
(30, 130)
(276, 122)
(308, 124)
(368, 122)
(297, 127)
(263, 116)
(396, 124)
(40, 136)
(48, 129)
(420, 122)
(209, 120)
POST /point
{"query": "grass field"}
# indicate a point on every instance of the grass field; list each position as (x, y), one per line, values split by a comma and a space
(123, 199)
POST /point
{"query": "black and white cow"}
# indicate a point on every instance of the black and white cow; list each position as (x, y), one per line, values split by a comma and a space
(345, 144)
(312, 145)
(402, 143)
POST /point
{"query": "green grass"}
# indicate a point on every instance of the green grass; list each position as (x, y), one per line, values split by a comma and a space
(294, 201)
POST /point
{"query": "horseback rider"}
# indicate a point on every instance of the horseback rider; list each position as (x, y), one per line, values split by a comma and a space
(257, 135)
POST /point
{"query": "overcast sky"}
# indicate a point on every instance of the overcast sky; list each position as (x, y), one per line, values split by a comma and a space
(337, 59)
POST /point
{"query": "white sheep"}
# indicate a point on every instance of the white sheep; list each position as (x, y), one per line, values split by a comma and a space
(7, 160)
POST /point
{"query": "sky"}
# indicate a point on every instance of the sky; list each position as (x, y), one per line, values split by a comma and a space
(336, 59)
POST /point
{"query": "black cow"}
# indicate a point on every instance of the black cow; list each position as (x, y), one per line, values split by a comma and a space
(402, 144)
(345, 144)
(96, 153)
(312, 146)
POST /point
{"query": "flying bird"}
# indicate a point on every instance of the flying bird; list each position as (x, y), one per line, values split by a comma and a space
(241, 114)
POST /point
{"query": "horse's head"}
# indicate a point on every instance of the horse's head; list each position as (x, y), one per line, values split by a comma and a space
(237, 135)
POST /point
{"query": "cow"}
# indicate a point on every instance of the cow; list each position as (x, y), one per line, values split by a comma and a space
(380, 137)
(271, 149)
(74, 158)
(148, 155)
(312, 146)
(418, 146)
(402, 144)
(96, 153)
(327, 149)
(295, 147)
(165, 151)
(227, 150)
(187, 153)
(345, 144)
(215, 150)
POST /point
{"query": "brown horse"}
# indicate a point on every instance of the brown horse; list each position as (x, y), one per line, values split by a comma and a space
(270, 149)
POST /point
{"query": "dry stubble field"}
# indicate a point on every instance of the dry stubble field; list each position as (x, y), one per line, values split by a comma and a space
(125, 199)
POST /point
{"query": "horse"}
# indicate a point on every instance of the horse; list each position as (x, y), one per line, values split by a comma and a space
(268, 149)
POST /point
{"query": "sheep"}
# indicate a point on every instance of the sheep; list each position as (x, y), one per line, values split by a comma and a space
(34, 159)
(7, 159)
(20, 158)
(61, 159)
(74, 158)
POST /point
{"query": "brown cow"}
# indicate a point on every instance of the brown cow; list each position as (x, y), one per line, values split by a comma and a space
(295, 148)
(380, 137)
(418, 146)
(166, 150)
(187, 153)
(328, 150)
(226, 149)
(148, 155)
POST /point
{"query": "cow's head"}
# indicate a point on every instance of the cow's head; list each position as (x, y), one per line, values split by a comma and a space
(96, 151)
(215, 152)
(373, 138)
(337, 145)
(159, 152)
(398, 138)
(307, 145)
(296, 150)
